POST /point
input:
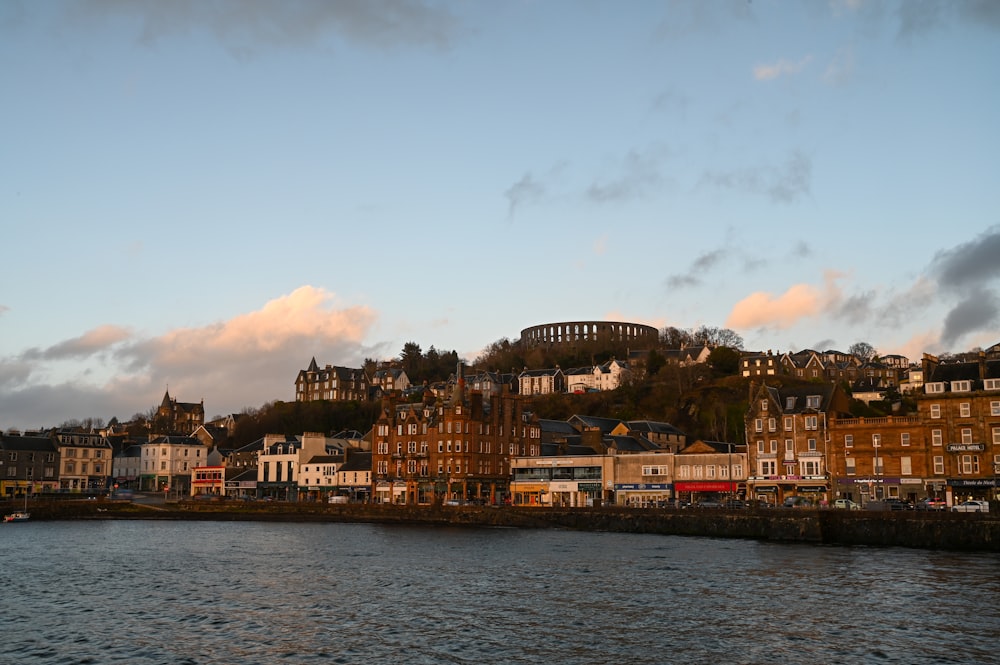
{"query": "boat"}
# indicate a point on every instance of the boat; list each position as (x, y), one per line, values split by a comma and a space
(19, 516)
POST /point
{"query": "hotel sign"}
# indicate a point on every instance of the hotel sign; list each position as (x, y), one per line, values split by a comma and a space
(966, 447)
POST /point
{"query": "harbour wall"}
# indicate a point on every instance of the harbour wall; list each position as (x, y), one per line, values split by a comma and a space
(914, 529)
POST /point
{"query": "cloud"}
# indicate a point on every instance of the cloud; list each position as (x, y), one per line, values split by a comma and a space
(243, 26)
(765, 310)
(248, 360)
(639, 173)
(918, 17)
(979, 311)
(525, 191)
(972, 264)
(4, 309)
(841, 67)
(781, 184)
(93, 341)
(779, 69)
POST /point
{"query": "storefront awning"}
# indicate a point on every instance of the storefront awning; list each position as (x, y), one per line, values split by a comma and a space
(705, 486)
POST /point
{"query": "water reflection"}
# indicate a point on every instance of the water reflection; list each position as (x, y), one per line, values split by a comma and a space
(206, 593)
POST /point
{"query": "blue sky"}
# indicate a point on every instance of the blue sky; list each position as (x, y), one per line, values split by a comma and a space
(204, 194)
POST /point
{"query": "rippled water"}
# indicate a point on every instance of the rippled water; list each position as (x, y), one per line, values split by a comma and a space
(226, 593)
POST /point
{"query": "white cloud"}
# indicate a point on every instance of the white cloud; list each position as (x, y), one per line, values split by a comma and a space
(246, 361)
(781, 68)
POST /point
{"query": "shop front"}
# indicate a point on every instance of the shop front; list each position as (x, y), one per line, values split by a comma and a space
(529, 493)
(966, 489)
(695, 491)
(644, 495)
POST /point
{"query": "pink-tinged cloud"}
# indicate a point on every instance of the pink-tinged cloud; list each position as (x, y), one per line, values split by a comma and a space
(91, 342)
(305, 315)
(763, 310)
(780, 68)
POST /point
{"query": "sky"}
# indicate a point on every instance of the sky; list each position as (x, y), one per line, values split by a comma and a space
(202, 195)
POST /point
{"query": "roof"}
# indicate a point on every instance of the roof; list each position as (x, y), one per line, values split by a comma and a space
(26, 443)
(357, 461)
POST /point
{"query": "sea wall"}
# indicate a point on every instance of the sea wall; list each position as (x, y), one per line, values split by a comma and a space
(934, 530)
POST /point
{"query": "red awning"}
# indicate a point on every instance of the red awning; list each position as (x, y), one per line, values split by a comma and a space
(705, 486)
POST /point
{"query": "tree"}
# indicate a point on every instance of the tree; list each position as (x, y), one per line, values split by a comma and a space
(863, 351)
(412, 358)
(724, 359)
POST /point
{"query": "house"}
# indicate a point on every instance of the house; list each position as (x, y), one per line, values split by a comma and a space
(28, 464)
(960, 408)
(85, 460)
(787, 432)
(281, 460)
(580, 379)
(872, 459)
(456, 448)
(610, 375)
(541, 381)
(173, 417)
(389, 379)
(688, 355)
(354, 477)
(167, 462)
(710, 469)
(331, 383)
(760, 365)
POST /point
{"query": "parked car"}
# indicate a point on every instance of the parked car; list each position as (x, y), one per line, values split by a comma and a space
(971, 506)
(709, 503)
(735, 504)
(846, 504)
(931, 504)
(898, 504)
(797, 502)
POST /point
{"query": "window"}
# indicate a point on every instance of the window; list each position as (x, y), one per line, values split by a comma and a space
(710, 471)
(995, 407)
(848, 440)
(935, 410)
(411, 447)
(768, 467)
(936, 438)
(763, 405)
(970, 464)
(877, 464)
(811, 444)
(849, 464)
(772, 424)
(12, 470)
(789, 445)
(788, 423)
(810, 467)
(759, 424)
(964, 410)
(760, 447)
(996, 437)
(905, 466)
(812, 422)
(939, 464)
(812, 402)
(961, 386)
(685, 471)
(966, 435)
(904, 439)
(774, 446)
(658, 470)
(937, 387)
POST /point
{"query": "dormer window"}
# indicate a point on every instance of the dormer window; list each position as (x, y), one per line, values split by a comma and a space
(936, 387)
(991, 384)
(812, 402)
(961, 386)
(790, 403)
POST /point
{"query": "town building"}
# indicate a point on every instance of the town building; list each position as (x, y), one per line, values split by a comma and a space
(787, 432)
(960, 407)
(456, 448)
(85, 460)
(710, 469)
(178, 418)
(331, 383)
(167, 462)
(28, 464)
